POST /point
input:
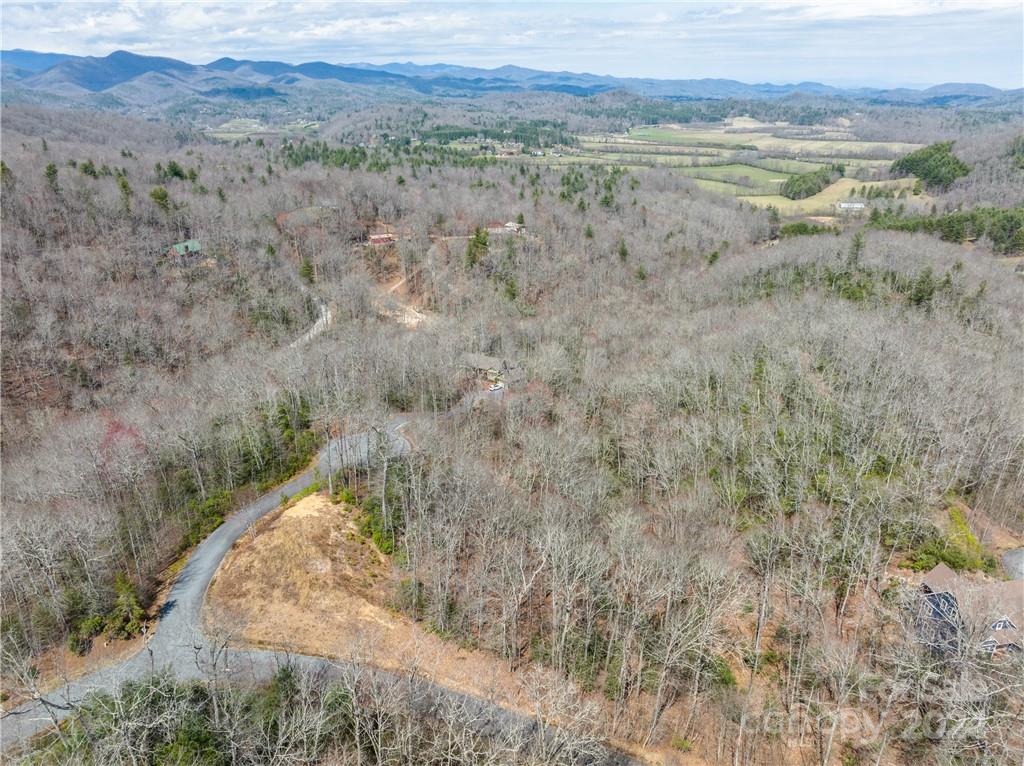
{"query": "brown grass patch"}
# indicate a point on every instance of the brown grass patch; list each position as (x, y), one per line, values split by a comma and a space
(304, 580)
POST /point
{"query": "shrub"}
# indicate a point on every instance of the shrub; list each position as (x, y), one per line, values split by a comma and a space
(681, 744)
(306, 271)
(125, 619)
(410, 597)
(343, 494)
(721, 674)
(374, 525)
(959, 549)
(80, 638)
(205, 516)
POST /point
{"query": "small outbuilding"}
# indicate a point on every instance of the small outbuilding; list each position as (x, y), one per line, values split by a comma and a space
(852, 206)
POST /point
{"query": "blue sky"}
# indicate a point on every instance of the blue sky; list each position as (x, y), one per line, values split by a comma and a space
(841, 42)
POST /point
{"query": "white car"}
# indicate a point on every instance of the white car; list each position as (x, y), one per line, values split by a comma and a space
(496, 386)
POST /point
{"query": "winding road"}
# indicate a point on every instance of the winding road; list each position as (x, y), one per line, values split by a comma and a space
(178, 639)
(179, 645)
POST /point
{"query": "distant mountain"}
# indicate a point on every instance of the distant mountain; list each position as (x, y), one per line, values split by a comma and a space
(96, 74)
(697, 88)
(316, 70)
(132, 79)
(31, 61)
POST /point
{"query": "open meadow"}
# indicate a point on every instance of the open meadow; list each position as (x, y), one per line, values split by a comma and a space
(749, 159)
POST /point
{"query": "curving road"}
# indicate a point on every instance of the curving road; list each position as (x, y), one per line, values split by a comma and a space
(178, 640)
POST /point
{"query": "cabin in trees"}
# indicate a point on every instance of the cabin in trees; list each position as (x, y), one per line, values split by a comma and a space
(956, 609)
(497, 227)
(378, 240)
(492, 367)
(190, 248)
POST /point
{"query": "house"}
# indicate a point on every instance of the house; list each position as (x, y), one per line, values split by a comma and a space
(492, 367)
(483, 363)
(497, 227)
(188, 248)
(955, 608)
(381, 239)
(852, 205)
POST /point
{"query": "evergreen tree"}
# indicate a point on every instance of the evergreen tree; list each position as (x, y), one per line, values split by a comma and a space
(51, 178)
(125, 619)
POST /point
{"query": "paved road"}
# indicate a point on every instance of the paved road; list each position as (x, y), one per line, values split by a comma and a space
(178, 642)
(178, 637)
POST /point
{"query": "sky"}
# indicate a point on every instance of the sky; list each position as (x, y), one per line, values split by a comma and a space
(881, 43)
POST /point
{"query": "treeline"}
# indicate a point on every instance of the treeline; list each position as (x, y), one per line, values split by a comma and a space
(632, 110)
(805, 228)
(808, 184)
(530, 133)
(1003, 228)
(395, 153)
(325, 715)
(935, 165)
(192, 486)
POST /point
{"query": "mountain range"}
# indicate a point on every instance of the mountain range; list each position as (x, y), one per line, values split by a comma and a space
(131, 79)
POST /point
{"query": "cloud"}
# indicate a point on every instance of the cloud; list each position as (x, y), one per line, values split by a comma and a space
(868, 41)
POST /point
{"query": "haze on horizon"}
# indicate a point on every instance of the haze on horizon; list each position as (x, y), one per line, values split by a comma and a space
(879, 43)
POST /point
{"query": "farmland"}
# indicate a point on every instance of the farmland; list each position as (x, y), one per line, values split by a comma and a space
(241, 128)
(824, 202)
(750, 160)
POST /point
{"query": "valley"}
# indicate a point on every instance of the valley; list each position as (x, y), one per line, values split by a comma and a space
(432, 413)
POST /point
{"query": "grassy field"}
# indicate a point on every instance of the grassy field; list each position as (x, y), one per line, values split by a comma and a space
(798, 148)
(756, 175)
(745, 158)
(719, 187)
(694, 137)
(613, 146)
(824, 202)
(241, 127)
(787, 166)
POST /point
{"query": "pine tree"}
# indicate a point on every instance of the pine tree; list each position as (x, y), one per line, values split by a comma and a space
(125, 619)
(51, 178)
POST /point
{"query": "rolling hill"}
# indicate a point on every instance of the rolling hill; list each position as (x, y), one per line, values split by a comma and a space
(139, 80)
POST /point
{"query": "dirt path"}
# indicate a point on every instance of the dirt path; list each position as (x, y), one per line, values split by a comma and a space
(405, 313)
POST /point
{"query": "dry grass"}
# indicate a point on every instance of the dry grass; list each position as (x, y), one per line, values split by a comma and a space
(823, 203)
(721, 136)
(306, 581)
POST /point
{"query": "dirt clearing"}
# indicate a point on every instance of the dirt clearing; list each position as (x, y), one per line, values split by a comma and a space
(305, 580)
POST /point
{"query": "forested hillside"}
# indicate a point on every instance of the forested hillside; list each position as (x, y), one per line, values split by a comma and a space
(672, 470)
